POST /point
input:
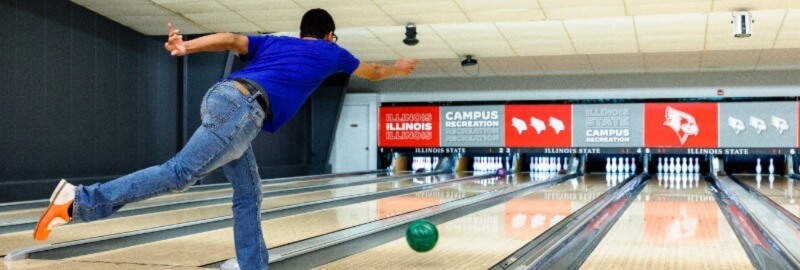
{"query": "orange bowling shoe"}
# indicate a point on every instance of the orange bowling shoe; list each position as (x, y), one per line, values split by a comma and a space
(58, 211)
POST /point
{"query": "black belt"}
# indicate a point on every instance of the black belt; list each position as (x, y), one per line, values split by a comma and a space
(261, 95)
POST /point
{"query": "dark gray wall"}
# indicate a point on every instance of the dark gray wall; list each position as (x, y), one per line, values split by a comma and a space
(82, 97)
(87, 99)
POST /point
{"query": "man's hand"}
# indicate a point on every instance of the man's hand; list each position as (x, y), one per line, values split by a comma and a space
(404, 66)
(175, 42)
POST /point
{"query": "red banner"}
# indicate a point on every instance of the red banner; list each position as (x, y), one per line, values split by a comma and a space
(409, 126)
(681, 125)
(538, 125)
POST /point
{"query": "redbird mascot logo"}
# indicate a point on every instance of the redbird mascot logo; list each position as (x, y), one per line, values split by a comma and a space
(682, 123)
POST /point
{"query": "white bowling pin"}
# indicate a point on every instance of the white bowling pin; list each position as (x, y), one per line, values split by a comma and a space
(553, 166)
(613, 165)
(625, 165)
(685, 168)
(530, 166)
(566, 164)
(660, 166)
(758, 166)
(771, 168)
(608, 165)
(697, 165)
(669, 164)
(558, 167)
(633, 165)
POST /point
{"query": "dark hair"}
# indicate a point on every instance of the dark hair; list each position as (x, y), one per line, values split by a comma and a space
(316, 23)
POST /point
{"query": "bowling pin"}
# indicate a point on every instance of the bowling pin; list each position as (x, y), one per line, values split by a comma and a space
(613, 165)
(633, 165)
(758, 166)
(553, 165)
(625, 166)
(566, 162)
(669, 165)
(697, 165)
(771, 169)
(530, 166)
(558, 168)
(660, 166)
(608, 165)
(691, 166)
(685, 168)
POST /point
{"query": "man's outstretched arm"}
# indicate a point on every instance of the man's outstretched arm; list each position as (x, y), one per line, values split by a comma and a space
(376, 72)
(210, 43)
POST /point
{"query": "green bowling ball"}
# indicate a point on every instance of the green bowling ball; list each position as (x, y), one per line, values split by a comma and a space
(422, 235)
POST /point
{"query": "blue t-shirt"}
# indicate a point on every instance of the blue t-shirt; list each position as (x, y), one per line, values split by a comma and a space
(290, 69)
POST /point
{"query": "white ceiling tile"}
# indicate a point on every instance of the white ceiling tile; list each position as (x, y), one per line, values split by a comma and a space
(294, 14)
(130, 10)
(157, 25)
(565, 64)
(428, 7)
(365, 10)
(773, 59)
(242, 27)
(483, 5)
(196, 7)
(672, 61)
(431, 18)
(215, 18)
(578, 3)
(509, 15)
(617, 63)
(789, 36)
(684, 32)
(736, 5)
(730, 60)
(327, 4)
(249, 5)
(280, 26)
(669, 8)
(584, 12)
(603, 35)
(111, 2)
(364, 21)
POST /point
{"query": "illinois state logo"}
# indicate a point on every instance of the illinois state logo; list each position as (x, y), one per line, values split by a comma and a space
(683, 125)
(538, 125)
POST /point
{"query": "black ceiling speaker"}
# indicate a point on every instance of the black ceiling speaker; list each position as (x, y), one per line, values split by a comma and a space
(469, 61)
(411, 35)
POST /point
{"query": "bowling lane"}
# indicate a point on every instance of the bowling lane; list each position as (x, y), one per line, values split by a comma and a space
(780, 189)
(673, 224)
(78, 231)
(481, 239)
(29, 214)
(205, 248)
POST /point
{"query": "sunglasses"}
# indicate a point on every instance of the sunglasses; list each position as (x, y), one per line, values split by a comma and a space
(335, 38)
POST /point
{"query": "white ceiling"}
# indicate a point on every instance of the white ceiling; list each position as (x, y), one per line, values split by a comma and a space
(509, 37)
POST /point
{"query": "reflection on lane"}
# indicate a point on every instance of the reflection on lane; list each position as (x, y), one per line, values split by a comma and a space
(780, 189)
(670, 225)
(481, 239)
(222, 190)
(113, 226)
(205, 248)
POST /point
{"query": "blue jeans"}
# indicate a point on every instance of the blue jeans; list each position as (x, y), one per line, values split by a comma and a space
(231, 120)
